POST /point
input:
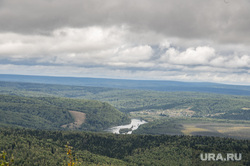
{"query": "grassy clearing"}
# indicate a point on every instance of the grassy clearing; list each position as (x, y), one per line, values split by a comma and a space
(188, 129)
(79, 118)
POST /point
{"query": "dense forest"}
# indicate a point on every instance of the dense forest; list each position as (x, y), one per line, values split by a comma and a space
(41, 147)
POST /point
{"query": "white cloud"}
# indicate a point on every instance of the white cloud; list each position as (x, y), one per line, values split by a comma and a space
(204, 56)
(62, 43)
(87, 39)
(192, 56)
(120, 52)
(232, 61)
(87, 46)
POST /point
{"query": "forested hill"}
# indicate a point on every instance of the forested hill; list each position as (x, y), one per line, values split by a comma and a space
(133, 84)
(53, 113)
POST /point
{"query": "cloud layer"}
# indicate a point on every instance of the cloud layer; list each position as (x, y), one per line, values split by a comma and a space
(215, 19)
(190, 41)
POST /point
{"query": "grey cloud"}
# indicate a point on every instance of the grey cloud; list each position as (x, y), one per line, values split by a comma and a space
(215, 19)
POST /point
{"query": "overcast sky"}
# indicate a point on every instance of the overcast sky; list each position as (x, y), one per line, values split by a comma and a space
(181, 40)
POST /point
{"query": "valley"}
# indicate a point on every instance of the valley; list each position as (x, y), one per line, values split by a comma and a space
(153, 126)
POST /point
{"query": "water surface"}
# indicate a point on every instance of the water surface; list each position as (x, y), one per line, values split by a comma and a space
(135, 123)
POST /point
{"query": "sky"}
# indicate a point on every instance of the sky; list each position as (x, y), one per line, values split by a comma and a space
(194, 40)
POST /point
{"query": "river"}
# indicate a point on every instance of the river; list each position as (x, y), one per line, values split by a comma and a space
(135, 123)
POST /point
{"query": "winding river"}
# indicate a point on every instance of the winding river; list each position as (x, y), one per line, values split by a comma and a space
(135, 123)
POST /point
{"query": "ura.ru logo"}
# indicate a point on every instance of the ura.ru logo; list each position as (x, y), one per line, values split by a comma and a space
(220, 157)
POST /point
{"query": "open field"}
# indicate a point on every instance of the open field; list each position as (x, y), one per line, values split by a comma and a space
(217, 129)
(198, 126)
(188, 129)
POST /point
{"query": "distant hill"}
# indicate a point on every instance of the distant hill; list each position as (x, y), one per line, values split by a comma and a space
(129, 100)
(134, 84)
